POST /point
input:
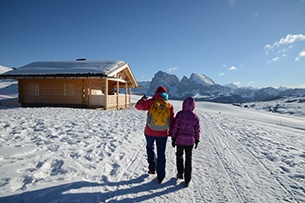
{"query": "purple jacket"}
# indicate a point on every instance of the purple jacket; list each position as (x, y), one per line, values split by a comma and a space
(186, 128)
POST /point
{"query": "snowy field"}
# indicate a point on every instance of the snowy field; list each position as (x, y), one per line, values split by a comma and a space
(84, 155)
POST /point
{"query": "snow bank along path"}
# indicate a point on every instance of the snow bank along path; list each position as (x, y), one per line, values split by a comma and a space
(81, 155)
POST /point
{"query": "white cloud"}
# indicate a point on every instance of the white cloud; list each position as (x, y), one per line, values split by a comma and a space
(273, 60)
(267, 47)
(172, 69)
(301, 55)
(236, 83)
(284, 50)
(281, 47)
(232, 68)
(289, 39)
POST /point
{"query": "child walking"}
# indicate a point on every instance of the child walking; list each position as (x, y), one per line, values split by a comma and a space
(185, 135)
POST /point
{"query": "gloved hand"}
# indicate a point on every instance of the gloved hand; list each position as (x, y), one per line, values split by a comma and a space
(196, 143)
(144, 97)
(173, 142)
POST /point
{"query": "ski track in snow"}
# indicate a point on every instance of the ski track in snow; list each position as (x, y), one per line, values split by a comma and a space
(82, 155)
(248, 159)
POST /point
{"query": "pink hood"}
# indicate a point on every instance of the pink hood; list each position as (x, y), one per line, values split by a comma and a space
(188, 104)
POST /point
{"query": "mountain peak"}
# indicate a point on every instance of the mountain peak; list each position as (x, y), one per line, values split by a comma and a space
(201, 79)
(232, 86)
(169, 81)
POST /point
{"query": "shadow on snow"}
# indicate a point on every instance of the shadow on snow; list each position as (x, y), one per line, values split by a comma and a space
(123, 191)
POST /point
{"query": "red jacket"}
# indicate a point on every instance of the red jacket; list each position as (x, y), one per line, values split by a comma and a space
(145, 105)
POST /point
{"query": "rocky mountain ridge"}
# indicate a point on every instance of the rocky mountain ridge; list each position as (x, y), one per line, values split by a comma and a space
(204, 88)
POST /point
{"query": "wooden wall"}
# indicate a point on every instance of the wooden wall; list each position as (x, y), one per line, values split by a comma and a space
(71, 92)
(51, 91)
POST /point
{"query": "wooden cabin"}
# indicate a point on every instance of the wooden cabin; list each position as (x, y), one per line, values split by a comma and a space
(87, 84)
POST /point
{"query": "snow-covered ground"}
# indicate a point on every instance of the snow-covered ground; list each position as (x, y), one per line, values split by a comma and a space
(85, 155)
(289, 105)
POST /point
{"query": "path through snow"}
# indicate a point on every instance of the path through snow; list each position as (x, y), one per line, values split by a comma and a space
(81, 155)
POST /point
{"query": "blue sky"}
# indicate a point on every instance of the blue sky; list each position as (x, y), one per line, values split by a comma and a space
(258, 43)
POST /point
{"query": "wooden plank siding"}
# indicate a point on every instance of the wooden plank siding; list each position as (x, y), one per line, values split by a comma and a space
(49, 91)
(118, 101)
(89, 93)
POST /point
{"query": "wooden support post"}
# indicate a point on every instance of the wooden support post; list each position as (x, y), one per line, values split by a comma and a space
(126, 96)
(117, 94)
(106, 95)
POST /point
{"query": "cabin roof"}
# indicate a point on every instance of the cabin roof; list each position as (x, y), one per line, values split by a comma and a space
(71, 69)
(44, 68)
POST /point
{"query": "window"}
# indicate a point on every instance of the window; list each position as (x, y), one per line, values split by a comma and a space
(34, 89)
(69, 89)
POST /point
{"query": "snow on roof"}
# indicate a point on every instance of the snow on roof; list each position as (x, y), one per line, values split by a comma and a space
(4, 69)
(104, 67)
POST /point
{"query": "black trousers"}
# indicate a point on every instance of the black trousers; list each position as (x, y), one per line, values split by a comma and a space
(186, 167)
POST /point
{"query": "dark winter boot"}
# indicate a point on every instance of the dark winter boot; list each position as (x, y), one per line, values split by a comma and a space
(151, 172)
(159, 179)
(180, 175)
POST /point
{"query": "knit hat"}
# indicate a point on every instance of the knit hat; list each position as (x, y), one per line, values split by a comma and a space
(161, 89)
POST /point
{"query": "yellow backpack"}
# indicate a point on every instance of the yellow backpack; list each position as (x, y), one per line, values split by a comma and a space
(158, 117)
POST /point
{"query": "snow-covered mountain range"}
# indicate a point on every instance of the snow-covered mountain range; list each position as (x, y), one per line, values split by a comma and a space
(204, 88)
